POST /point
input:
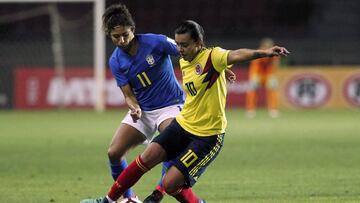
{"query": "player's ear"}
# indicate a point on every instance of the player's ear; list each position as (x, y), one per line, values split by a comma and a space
(199, 43)
(132, 29)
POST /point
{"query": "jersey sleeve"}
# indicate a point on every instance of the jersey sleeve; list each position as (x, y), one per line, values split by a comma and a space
(219, 59)
(119, 75)
(168, 45)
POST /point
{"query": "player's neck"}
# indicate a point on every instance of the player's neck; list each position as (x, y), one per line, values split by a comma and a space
(133, 47)
(197, 53)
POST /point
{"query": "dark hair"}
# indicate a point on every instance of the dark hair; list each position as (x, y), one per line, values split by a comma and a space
(193, 28)
(116, 15)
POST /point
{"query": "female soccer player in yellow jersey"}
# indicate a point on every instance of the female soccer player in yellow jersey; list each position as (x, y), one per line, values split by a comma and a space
(193, 140)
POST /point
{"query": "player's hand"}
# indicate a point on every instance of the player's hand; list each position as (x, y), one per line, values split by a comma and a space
(277, 51)
(230, 76)
(135, 113)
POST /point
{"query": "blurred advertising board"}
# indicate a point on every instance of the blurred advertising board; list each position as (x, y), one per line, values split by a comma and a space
(40, 88)
(320, 87)
(300, 87)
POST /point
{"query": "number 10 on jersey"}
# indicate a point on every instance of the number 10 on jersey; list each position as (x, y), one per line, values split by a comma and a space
(191, 87)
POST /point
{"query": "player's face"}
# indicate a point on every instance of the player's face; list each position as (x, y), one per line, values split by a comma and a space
(122, 36)
(187, 47)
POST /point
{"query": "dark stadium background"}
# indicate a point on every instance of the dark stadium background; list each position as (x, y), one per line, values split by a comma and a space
(325, 32)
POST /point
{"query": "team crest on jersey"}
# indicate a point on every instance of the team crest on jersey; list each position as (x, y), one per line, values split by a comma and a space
(150, 60)
(198, 69)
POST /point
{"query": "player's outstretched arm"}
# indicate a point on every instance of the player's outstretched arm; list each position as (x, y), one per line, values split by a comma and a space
(132, 102)
(242, 55)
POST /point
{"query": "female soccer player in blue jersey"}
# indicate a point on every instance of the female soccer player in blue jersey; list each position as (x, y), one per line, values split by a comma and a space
(192, 140)
(143, 70)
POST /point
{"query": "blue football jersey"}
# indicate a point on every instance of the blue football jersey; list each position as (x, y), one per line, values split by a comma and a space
(150, 72)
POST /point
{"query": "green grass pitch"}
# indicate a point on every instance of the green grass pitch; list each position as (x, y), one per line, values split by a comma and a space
(302, 156)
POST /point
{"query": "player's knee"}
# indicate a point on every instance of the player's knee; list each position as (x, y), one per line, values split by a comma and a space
(114, 153)
(169, 186)
(172, 182)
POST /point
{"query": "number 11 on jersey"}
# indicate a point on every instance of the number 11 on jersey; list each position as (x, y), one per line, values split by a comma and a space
(144, 79)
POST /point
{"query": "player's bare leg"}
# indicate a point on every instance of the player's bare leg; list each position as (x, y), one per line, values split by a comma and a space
(125, 138)
(174, 182)
(272, 100)
(251, 104)
(158, 194)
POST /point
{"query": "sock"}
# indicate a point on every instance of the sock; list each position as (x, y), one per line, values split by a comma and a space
(109, 200)
(116, 169)
(186, 195)
(165, 167)
(127, 178)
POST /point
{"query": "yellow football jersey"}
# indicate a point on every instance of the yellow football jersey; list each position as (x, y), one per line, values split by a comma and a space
(205, 86)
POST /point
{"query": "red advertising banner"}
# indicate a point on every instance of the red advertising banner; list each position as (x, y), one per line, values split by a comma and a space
(40, 88)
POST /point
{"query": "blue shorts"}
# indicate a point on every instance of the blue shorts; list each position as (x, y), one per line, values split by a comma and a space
(191, 154)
